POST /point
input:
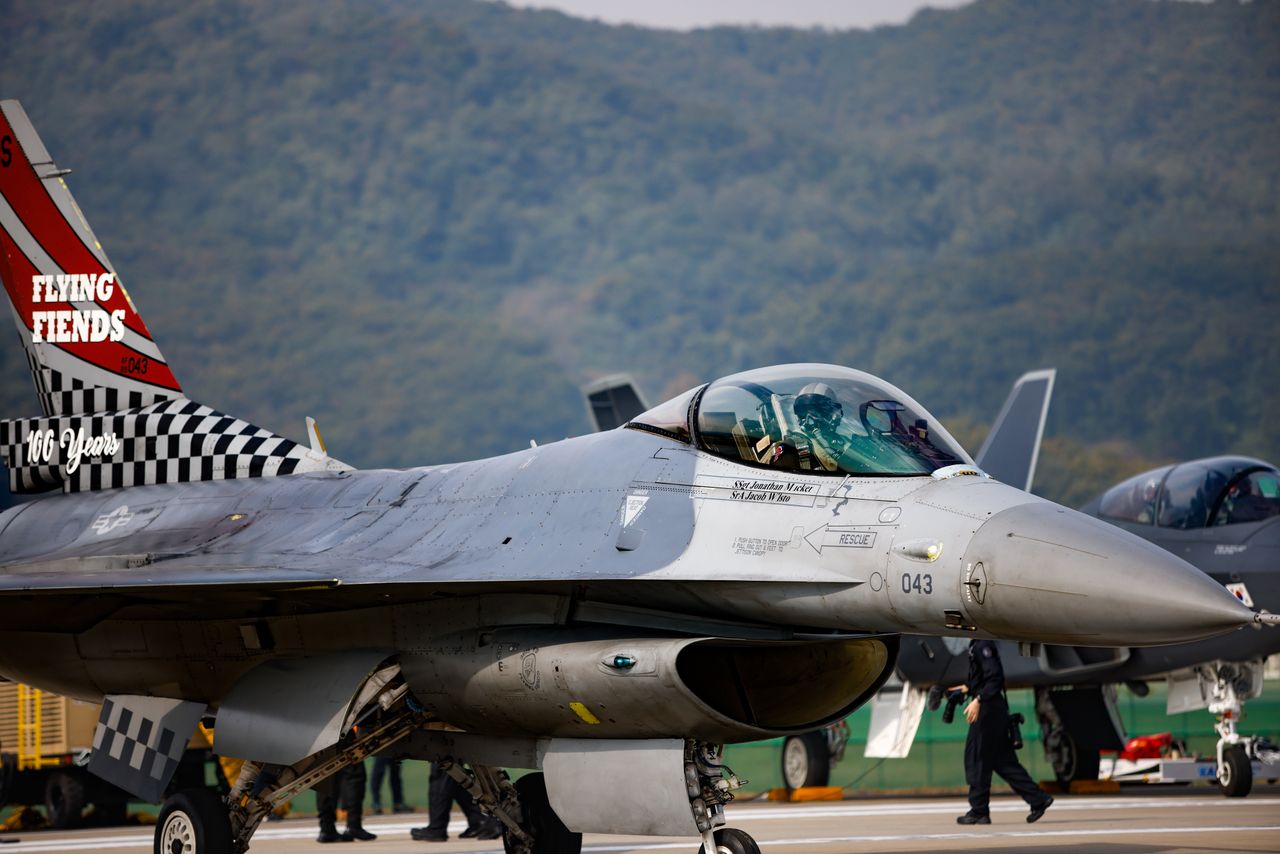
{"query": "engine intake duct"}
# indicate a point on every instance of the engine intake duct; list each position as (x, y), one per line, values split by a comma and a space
(785, 686)
(591, 683)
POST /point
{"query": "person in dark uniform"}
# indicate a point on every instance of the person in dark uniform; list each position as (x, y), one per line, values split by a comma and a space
(987, 747)
(390, 769)
(348, 787)
(442, 792)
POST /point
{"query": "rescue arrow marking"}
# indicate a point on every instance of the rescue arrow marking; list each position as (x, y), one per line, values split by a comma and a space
(840, 537)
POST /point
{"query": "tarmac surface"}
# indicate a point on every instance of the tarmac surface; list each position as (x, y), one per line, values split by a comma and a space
(1186, 821)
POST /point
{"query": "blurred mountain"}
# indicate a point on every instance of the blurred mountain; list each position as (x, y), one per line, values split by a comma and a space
(425, 223)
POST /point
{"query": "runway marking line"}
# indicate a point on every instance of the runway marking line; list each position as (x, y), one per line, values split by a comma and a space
(1002, 805)
(132, 842)
(305, 830)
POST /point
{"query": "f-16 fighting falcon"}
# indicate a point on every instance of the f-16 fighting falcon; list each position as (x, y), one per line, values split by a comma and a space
(609, 610)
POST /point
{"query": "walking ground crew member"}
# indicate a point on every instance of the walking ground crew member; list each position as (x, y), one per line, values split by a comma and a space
(988, 747)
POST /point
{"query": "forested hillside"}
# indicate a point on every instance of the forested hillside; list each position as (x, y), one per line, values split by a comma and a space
(425, 223)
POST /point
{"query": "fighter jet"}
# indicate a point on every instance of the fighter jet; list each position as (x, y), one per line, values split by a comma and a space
(735, 563)
(1222, 514)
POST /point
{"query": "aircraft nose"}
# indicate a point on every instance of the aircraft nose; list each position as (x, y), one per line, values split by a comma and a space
(1041, 569)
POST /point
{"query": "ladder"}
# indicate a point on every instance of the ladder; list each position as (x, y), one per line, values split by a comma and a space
(31, 730)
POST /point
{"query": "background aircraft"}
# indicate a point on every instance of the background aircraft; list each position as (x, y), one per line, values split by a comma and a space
(1222, 514)
(611, 609)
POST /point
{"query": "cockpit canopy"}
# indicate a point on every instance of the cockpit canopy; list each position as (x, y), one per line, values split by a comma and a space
(1198, 494)
(815, 419)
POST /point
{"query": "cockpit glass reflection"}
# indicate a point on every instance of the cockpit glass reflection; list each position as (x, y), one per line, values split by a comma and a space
(1251, 498)
(670, 419)
(821, 419)
(1204, 493)
(1134, 500)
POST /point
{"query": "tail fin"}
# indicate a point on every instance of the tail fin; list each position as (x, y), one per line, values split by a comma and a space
(88, 348)
(613, 401)
(114, 415)
(1012, 447)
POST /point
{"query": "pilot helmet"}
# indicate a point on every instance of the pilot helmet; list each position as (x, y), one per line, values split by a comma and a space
(816, 407)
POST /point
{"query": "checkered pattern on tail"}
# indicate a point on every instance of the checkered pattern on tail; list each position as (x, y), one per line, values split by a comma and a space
(173, 441)
(61, 394)
(139, 741)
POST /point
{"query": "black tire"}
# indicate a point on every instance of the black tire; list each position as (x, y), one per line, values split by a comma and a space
(550, 836)
(730, 840)
(1236, 775)
(193, 821)
(64, 800)
(1071, 760)
(806, 761)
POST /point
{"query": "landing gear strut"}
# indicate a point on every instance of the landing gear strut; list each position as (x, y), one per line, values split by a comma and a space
(710, 784)
(1222, 687)
(1229, 685)
(200, 822)
(1075, 724)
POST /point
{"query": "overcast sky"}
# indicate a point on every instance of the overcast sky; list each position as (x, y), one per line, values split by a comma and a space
(688, 14)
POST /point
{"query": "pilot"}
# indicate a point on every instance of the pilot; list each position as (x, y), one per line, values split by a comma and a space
(1243, 504)
(1150, 489)
(987, 747)
(818, 414)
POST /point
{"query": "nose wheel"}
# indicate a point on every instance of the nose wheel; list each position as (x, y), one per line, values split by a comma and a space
(730, 840)
(1232, 683)
(1235, 773)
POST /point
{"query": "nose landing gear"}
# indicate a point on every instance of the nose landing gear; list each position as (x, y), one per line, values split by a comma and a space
(1228, 686)
(710, 784)
(730, 840)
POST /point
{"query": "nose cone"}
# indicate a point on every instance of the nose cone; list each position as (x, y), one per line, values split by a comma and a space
(1045, 573)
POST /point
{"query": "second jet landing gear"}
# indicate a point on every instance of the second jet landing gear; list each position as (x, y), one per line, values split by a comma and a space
(807, 759)
(1222, 687)
(1226, 685)
(1075, 725)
